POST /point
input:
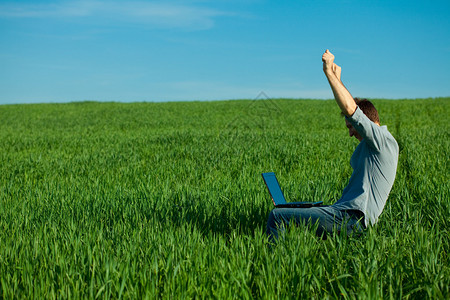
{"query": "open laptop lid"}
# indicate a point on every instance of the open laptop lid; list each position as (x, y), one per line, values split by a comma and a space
(277, 195)
(274, 188)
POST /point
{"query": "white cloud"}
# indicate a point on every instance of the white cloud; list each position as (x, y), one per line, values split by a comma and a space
(161, 14)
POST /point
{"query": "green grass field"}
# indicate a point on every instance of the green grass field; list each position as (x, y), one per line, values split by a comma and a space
(166, 200)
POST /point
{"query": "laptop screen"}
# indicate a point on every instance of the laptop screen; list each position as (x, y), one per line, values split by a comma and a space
(274, 188)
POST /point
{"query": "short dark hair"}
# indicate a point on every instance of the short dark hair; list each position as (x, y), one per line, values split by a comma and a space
(368, 109)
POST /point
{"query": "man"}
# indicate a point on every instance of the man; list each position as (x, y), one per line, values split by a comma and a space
(374, 164)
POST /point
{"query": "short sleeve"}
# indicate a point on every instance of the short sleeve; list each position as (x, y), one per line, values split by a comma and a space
(371, 132)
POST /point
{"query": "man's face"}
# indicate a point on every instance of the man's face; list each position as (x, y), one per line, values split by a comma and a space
(352, 131)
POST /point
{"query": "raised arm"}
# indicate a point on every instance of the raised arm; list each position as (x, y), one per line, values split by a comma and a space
(342, 96)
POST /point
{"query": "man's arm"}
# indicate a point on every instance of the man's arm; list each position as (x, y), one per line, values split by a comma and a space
(343, 97)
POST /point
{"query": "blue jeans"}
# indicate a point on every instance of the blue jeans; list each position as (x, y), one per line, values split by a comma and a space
(328, 218)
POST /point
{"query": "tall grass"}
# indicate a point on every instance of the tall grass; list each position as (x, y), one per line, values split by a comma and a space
(164, 200)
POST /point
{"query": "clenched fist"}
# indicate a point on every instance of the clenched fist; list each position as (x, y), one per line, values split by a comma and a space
(328, 60)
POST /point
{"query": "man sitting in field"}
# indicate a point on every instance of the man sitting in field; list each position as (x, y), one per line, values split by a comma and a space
(374, 164)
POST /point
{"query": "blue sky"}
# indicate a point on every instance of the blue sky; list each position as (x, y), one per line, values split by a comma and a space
(60, 51)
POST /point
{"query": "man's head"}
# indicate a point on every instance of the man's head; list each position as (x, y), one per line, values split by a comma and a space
(369, 110)
(352, 131)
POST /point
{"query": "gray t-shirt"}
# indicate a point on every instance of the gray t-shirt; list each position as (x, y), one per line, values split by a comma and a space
(374, 164)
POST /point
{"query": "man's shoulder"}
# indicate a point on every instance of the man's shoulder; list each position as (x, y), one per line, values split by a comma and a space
(389, 143)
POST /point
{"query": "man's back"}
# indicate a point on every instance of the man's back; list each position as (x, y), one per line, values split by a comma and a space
(374, 164)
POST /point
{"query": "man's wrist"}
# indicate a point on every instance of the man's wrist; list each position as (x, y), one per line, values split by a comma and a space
(330, 73)
(328, 68)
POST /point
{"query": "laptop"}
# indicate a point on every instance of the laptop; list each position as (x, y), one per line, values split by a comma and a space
(277, 195)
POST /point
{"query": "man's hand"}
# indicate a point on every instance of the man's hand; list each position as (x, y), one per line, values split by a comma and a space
(329, 65)
(328, 61)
